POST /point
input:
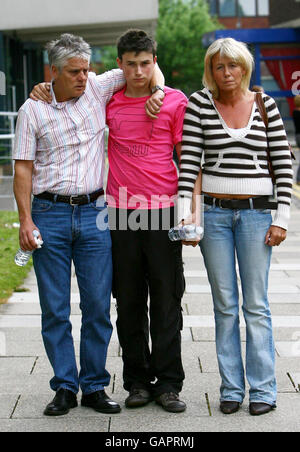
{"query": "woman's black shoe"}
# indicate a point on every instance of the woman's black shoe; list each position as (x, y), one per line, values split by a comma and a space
(256, 408)
(62, 403)
(229, 407)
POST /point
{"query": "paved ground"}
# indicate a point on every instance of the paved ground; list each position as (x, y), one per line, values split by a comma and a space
(25, 372)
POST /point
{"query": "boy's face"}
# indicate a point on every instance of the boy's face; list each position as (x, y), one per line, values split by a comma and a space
(138, 69)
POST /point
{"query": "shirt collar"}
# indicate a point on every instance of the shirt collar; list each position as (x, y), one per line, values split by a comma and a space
(54, 102)
(60, 105)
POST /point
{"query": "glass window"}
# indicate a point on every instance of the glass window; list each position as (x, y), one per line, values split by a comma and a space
(246, 8)
(212, 4)
(227, 8)
(263, 8)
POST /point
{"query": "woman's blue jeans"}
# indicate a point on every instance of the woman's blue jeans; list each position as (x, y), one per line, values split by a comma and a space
(230, 236)
(71, 234)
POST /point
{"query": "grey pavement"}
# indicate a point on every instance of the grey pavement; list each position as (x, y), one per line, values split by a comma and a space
(25, 371)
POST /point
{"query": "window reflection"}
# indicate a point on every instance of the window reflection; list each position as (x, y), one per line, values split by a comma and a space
(241, 8)
(227, 8)
(263, 8)
(246, 8)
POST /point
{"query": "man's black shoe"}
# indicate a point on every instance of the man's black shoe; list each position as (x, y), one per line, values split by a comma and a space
(170, 402)
(62, 403)
(100, 402)
(138, 397)
(229, 407)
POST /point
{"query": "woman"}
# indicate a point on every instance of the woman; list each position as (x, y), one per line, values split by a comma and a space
(296, 119)
(223, 125)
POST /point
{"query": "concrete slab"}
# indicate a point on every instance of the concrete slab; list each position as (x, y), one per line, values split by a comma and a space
(7, 404)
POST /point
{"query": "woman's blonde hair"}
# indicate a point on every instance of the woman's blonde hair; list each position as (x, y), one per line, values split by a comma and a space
(229, 48)
(297, 101)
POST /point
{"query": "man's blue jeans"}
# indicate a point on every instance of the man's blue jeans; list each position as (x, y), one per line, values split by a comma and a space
(230, 235)
(71, 234)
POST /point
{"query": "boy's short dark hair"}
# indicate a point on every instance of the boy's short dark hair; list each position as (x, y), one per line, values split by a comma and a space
(136, 41)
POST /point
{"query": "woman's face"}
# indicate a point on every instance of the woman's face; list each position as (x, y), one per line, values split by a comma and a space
(227, 74)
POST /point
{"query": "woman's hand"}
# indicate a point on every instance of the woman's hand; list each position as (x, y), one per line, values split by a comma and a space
(189, 243)
(41, 92)
(275, 236)
(191, 219)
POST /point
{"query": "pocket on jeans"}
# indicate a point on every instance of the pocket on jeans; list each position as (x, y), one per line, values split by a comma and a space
(41, 205)
(264, 211)
(99, 204)
(207, 208)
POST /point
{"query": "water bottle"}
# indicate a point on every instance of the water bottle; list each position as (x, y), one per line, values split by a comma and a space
(189, 232)
(22, 257)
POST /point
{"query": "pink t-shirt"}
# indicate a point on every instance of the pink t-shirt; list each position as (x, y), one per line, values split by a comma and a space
(142, 173)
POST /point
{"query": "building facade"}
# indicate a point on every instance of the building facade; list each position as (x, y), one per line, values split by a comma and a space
(273, 34)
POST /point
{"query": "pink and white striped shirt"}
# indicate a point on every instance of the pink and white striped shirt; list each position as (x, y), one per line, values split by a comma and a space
(66, 140)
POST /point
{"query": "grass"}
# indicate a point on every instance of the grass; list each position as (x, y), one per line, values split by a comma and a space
(11, 276)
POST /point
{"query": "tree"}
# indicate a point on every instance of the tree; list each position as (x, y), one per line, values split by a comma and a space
(181, 26)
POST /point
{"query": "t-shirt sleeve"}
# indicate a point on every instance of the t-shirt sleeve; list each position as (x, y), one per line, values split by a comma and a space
(25, 138)
(108, 83)
(178, 121)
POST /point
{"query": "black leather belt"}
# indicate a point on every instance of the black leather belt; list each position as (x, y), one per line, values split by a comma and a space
(73, 200)
(261, 202)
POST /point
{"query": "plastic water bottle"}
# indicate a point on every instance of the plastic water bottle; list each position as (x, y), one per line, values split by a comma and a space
(189, 232)
(22, 257)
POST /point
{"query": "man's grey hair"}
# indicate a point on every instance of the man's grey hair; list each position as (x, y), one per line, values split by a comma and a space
(66, 47)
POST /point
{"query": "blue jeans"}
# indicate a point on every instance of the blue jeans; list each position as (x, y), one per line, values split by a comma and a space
(230, 235)
(71, 234)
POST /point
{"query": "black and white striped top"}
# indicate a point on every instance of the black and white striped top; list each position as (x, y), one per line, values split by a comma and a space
(235, 165)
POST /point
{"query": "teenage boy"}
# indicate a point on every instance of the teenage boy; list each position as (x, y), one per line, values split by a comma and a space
(142, 186)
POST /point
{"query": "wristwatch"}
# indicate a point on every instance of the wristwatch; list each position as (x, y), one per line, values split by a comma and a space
(156, 88)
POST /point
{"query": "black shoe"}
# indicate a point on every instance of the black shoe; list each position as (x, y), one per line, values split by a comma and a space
(170, 402)
(62, 403)
(138, 397)
(229, 406)
(256, 408)
(100, 402)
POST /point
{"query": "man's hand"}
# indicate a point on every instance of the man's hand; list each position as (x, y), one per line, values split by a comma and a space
(154, 104)
(275, 236)
(41, 92)
(26, 237)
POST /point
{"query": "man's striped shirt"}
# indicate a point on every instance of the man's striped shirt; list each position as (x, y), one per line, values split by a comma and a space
(65, 140)
(235, 166)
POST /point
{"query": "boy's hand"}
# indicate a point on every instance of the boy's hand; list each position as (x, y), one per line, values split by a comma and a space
(41, 92)
(154, 104)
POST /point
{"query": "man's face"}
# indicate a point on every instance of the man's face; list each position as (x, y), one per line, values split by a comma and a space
(138, 69)
(71, 80)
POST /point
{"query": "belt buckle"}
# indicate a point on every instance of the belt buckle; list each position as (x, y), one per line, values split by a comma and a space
(71, 201)
(220, 203)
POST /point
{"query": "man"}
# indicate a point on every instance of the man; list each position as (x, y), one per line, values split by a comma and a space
(59, 157)
(142, 186)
